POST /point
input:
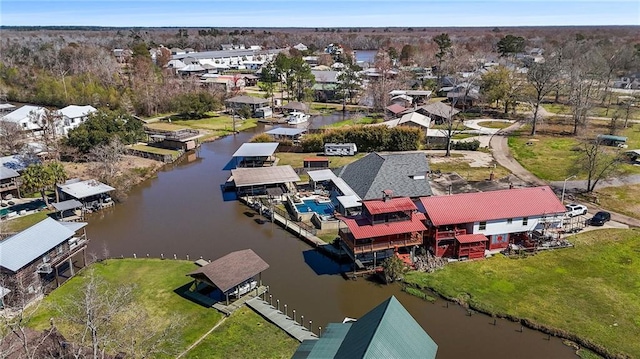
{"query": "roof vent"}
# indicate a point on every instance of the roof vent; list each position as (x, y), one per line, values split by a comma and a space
(387, 194)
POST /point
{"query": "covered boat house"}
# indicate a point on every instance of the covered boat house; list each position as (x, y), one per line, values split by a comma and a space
(93, 194)
(274, 180)
(255, 154)
(233, 275)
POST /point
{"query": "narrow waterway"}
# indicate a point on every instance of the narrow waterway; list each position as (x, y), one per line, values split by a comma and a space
(182, 212)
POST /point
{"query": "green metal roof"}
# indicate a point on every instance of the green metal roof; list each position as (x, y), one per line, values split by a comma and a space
(612, 138)
(387, 331)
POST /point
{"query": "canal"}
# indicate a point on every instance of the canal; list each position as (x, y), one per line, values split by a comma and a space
(182, 212)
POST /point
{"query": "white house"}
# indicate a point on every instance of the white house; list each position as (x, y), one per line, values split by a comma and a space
(501, 217)
(27, 117)
(72, 117)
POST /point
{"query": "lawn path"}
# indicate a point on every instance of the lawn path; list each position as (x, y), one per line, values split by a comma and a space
(202, 338)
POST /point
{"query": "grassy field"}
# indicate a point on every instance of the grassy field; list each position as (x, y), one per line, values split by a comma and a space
(592, 290)
(495, 124)
(623, 199)
(295, 160)
(23, 222)
(215, 125)
(365, 120)
(156, 150)
(156, 281)
(598, 111)
(552, 155)
(245, 335)
(462, 167)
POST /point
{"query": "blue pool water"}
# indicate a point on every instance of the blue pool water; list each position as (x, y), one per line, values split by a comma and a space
(310, 205)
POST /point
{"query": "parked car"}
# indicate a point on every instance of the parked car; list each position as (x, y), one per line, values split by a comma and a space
(575, 210)
(600, 218)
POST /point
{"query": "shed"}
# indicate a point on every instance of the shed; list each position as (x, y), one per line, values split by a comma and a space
(315, 162)
(233, 273)
(611, 140)
(340, 149)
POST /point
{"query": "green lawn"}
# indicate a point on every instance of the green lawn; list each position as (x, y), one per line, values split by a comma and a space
(23, 222)
(357, 121)
(553, 154)
(592, 290)
(597, 111)
(156, 150)
(462, 167)
(495, 124)
(156, 281)
(245, 335)
(295, 160)
(623, 199)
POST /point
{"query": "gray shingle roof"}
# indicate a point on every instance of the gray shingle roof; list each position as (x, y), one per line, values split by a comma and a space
(374, 173)
(23, 248)
(232, 269)
(247, 100)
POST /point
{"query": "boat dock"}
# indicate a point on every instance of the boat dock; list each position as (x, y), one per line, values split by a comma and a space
(296, 229)
(235, 305)
(291, 327)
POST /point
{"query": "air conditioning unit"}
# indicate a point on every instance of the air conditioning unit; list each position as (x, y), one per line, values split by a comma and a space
(45, 268)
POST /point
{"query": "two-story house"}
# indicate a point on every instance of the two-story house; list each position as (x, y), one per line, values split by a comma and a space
(500, 217)
(27, 117)
(9, 182)
(72, 117)
(384, 226)
(39, 259)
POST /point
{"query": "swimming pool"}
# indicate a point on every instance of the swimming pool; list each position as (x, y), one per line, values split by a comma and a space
(310, 205)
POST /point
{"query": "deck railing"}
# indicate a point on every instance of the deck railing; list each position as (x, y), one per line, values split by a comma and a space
(414, 240)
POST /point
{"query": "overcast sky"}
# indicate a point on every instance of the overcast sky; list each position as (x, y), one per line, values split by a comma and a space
(312, 13)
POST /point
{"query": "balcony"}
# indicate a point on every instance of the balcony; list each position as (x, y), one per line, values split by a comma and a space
(414, 240)
(449, 234)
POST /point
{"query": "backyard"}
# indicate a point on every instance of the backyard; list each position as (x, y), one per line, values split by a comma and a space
(158, 283)
(591, 291)
(214, 126)
(295, 160)
(597, 111)
(552, 154)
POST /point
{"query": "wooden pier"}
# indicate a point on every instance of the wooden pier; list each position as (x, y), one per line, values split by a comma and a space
(235, 305)
(291, 327)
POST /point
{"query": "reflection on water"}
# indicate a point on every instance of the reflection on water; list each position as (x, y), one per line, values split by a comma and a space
(183, 211)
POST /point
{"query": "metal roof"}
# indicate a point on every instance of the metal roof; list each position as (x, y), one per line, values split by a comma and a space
(244, 177)
(471, 238)
(4, 291)
(399, 204)
(66, 205)
(439, 109)
(75, 111)
(387, 331)
(84, 189)
(612, 138)
(395, 108)
(6, 106)
(232, 269)
(493, 205)
(6, 173)
(361, 228)
(23, 248)
(247, 100)
(22, 113)
(349, 201)
(263, 149)
(374, 173)
(18, 162)
(321, 175)
(284, 131)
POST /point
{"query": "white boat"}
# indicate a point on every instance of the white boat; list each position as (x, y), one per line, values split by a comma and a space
(297, 117)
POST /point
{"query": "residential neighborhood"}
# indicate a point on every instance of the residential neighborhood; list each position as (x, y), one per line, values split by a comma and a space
(319, 192)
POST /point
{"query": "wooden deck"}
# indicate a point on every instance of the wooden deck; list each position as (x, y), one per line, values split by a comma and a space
(235, 305)
(294, 329)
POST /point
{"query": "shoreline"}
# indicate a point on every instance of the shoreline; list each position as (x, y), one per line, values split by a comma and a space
(525, 322)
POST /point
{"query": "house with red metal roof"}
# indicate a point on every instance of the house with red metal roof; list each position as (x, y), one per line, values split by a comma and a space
(385, 226)
(499, 217)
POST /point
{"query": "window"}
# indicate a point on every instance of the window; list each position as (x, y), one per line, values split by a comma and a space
(525, 221)
(483, 225)
(509, 220)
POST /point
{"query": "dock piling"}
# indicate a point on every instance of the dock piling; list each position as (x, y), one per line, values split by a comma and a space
(134, 256)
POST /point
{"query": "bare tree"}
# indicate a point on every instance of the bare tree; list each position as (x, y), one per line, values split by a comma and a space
(12, 138)
(543, 79)
(107, 157)
(597, 162)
